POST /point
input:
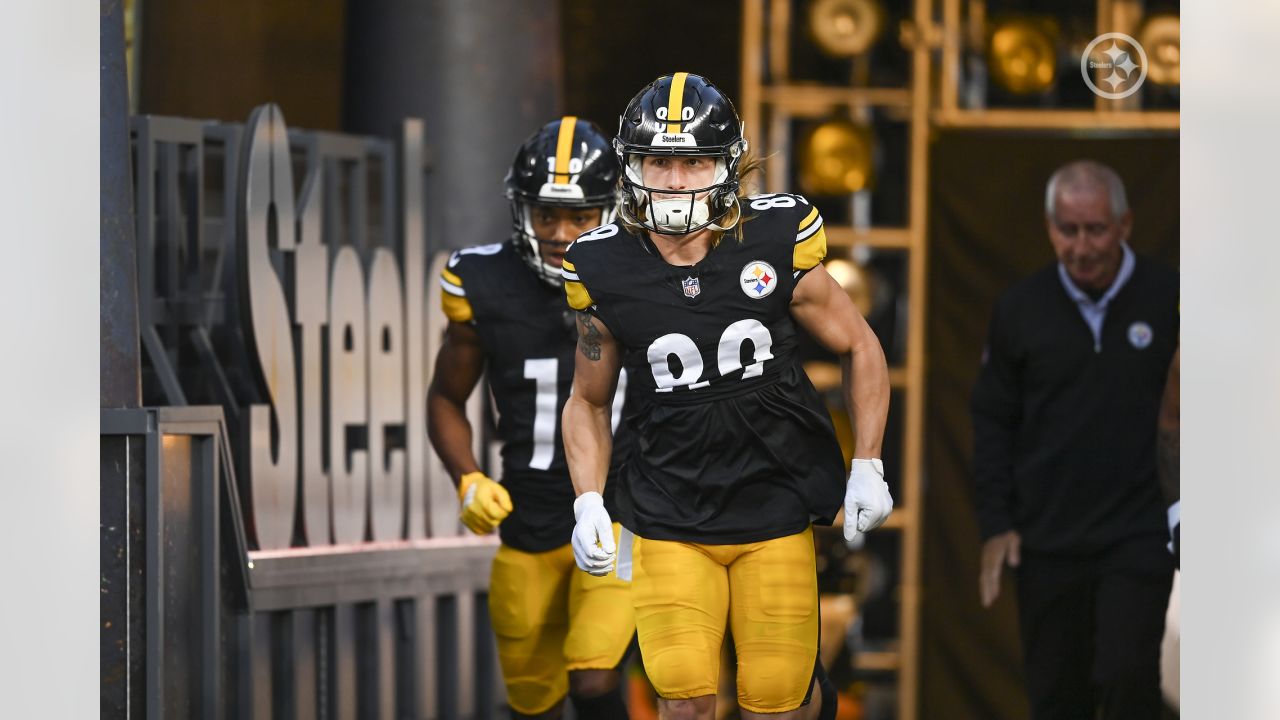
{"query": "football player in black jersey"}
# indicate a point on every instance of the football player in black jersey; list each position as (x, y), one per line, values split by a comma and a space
(558, 631)
(697, 291)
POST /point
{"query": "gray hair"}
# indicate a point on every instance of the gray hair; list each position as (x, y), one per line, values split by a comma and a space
(1086, 174)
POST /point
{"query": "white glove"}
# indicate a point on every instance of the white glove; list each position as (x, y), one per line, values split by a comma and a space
(867, 502)
(593, 546)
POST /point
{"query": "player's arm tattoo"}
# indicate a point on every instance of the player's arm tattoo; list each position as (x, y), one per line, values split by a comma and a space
(589, 336)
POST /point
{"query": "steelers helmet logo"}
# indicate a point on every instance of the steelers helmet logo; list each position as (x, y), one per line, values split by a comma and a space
(1140, 335)
(758, 279)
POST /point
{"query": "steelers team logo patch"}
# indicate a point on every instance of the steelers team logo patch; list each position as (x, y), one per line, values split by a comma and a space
(1140, 335)
(758, 279)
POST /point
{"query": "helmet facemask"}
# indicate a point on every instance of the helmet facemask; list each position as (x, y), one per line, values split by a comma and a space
(530, 245)
(680, 212)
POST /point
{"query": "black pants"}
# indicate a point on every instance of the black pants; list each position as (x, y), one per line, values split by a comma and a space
(1091, 630)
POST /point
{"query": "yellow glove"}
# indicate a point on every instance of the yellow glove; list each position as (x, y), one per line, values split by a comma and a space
(485, 503)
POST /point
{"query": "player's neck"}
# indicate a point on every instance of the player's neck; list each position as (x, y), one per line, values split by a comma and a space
(683, 249)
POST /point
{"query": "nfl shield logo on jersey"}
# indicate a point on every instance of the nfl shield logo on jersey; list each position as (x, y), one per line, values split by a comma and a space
(691, 287)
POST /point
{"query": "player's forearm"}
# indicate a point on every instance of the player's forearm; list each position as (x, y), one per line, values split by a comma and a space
(866, 389)
(588, 443)
(450, 434)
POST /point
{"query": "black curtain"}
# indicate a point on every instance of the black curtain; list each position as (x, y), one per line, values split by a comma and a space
(986, 231)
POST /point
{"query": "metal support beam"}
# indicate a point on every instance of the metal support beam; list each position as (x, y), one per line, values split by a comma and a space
(119, 360)
(457, 65)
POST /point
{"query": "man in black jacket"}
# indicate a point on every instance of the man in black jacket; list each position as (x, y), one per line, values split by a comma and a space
(1064, 415)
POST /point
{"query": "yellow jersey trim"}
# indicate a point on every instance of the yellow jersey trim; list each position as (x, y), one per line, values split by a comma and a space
(456, 308)
(576, 293)
(810, 251)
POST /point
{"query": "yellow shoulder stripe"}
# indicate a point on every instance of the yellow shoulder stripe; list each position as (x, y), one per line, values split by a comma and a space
(810, 251)
(808, 219)
(576, 293)
(568, 265)
(451, 277)
(456, 307)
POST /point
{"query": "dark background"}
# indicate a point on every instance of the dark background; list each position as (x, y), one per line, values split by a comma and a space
(220, 60)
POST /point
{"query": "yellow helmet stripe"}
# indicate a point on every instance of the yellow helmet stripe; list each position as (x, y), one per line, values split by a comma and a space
(675, 102)
(564, 148)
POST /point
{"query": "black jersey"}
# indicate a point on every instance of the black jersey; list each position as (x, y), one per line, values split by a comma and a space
(528, 336)
(733, 444)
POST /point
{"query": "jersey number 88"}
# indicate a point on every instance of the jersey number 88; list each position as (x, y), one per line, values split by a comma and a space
(728, 356)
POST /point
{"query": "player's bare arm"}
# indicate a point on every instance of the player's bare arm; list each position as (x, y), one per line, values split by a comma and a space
(823, 309)
(588, 437)
(458, 367)
(589, 337)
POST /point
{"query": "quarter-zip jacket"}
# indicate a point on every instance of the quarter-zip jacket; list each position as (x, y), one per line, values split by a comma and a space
(1064, 416)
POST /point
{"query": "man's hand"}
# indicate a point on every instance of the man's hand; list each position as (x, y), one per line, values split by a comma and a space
(485, 503)
(867, 502)
(1002, 548)
(593, 547)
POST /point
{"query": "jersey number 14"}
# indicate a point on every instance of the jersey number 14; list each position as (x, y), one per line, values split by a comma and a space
(545, 373)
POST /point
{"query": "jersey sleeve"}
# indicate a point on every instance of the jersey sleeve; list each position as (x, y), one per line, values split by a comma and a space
(453, 295)
(811, 241)
(575, 290)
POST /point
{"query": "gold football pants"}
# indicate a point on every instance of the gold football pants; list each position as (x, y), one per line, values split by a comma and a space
(551, 618)
(768, 594)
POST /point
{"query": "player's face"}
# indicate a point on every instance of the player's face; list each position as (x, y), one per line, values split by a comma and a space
(1086, 237)
(674, 172)
(556, 227)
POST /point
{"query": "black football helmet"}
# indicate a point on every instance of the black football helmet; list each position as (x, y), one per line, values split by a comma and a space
(680, 114)
(567, 163)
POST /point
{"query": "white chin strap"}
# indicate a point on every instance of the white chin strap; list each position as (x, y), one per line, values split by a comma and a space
(674, 214)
